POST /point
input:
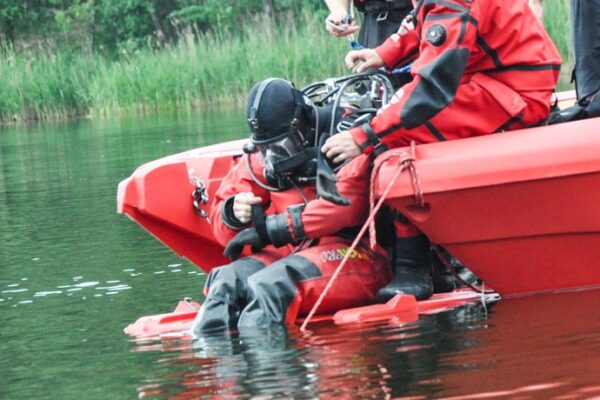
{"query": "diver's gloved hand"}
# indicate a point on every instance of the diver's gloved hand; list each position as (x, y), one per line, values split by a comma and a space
(326, 180)
(327, 188)
(248, 236)
(275, 231)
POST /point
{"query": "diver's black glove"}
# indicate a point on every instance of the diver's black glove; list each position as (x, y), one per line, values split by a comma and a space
(326, 179)
(248, 236)
(327, 188)
(273, 230)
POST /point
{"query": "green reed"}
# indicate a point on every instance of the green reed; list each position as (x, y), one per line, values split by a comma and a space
(557, 21)
(201, 70)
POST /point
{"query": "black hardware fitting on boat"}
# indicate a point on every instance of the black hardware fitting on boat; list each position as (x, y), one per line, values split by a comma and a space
(200, 196)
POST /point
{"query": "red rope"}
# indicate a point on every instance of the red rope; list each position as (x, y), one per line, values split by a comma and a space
(405, 162)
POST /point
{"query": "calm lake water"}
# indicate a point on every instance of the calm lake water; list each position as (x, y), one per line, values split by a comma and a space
(73, 274)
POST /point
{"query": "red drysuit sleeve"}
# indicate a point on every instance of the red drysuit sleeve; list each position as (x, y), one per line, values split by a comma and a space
(402, 47)
(447, 31)
(322, 218)
(237, 180)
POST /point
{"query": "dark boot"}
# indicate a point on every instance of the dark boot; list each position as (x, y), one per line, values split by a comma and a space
(592, 107)
(412, 269)
(467, 277)
(444, 280)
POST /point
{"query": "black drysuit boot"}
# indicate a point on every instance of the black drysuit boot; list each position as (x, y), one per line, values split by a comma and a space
(446, 281)
(412, 269)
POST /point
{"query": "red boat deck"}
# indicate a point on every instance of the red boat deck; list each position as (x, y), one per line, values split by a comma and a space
(400, 309)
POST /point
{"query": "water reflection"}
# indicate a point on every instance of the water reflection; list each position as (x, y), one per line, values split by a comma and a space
(73, 273)
(544, 346)
(463, 353)
(361, 361)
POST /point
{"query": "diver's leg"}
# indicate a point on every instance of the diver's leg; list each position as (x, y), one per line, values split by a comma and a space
(291, 286)
(272, 291)
(226, 288)
(412, 264)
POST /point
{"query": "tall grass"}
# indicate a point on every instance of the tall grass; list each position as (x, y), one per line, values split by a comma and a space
(217, 68)
(557, 21)
(199, 71)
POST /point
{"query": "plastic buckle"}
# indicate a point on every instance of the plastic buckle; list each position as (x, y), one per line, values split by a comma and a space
(382, 16)
(354, 45)
(379, 148)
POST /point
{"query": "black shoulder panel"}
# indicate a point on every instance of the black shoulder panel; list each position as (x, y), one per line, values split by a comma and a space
(437, 88)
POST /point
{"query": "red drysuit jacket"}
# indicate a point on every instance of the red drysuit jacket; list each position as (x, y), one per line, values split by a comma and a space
(319, 217)
(448, 43)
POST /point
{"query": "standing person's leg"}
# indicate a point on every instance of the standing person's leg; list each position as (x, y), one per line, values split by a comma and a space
(291, 286)
(586, 45)
(379, 24)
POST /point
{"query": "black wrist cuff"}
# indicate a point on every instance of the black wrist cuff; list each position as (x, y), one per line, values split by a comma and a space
(297, 226)
(228, 216)
(373, 140)
(279, 232)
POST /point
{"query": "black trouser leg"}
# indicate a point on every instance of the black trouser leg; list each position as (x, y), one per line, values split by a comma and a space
(227, 295)
(586, 45)
(271, 291)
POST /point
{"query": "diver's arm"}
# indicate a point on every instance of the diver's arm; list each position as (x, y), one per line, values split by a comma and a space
(321, 217)
(222, 217)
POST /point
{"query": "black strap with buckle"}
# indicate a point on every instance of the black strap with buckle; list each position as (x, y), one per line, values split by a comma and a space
(296, 214)
(373, 140)
(383, 6)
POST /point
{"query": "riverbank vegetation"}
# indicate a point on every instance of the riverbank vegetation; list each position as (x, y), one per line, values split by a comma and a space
(145, 56)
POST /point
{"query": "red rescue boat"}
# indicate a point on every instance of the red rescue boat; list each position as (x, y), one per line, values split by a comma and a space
(520, 209)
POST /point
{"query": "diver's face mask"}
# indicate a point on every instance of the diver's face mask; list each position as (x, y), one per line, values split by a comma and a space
(286, 159)
(277, 153)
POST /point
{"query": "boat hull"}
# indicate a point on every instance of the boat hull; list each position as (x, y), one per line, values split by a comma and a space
(521, 209)
(159, 196)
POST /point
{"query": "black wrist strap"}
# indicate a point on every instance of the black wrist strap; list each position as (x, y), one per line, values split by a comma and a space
(259, 221)
(374, 140)
(278, 229)
(296, 214)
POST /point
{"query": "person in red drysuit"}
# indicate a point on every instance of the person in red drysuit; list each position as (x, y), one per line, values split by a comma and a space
(300, 241)
(478, 67)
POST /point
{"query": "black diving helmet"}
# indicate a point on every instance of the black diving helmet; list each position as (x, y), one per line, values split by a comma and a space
(280, 118)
